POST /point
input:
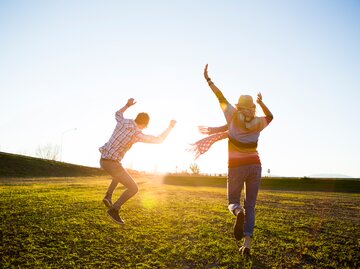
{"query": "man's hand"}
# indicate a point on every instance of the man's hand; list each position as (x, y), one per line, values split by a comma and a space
(130, 102)
(206, 72)
(172, 123)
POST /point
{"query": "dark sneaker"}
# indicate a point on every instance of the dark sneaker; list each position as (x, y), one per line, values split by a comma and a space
(107, 202)
(244, 251)
(114, 214)
(239, 226)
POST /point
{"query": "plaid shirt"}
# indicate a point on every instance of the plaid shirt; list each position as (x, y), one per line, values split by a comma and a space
(125, 134)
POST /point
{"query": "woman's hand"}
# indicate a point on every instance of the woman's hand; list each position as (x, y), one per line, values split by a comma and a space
(259, 98)
(204, 130)
(206, 73)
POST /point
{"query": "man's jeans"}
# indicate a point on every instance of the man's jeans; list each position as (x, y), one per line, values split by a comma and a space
(119, 175)
(251, 176)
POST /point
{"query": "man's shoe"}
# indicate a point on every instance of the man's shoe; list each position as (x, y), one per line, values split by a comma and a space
(239, 226)
(244, 251)
(114, 215)
(107, 202)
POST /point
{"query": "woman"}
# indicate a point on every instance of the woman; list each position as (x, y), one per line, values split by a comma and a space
(244, 167)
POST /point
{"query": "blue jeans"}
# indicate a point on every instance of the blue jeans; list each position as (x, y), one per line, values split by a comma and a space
(251, 176)
(119, 175)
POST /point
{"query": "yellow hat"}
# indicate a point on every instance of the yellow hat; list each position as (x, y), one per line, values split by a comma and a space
(245, 101)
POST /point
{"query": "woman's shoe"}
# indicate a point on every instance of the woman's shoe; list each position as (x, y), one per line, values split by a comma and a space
(239, 226)
(244, 251)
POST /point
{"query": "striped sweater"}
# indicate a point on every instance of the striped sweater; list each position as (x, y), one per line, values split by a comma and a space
(243, 136)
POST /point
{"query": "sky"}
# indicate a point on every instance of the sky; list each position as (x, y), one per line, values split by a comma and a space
(67, 66)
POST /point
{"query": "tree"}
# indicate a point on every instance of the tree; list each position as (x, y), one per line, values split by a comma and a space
(194, 168)
(49, 152)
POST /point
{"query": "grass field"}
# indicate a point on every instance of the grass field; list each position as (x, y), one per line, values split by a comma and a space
(61, 223)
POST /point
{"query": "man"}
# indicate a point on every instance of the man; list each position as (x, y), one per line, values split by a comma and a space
(126, 133)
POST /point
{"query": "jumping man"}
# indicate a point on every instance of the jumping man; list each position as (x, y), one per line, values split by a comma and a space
(126, 133)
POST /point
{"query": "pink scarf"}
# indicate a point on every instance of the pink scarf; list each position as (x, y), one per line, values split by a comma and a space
(203, 145)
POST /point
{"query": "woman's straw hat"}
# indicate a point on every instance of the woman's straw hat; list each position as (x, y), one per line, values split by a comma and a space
(246, 101)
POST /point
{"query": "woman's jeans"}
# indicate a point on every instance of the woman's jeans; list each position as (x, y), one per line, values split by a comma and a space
(251, 176)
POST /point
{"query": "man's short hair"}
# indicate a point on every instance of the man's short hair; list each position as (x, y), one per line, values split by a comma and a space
(142, 118)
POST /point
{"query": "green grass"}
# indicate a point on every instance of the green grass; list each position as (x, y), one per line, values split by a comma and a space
(61, 223)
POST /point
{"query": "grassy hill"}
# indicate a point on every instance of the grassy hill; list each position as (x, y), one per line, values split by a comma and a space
(14, 165)
(19, 166)
(274, 183)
